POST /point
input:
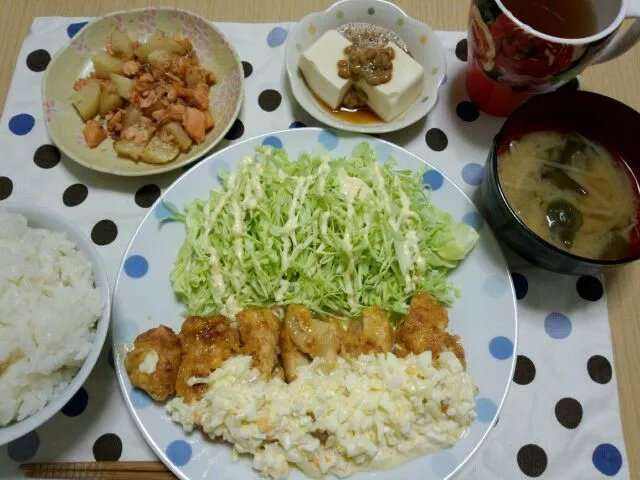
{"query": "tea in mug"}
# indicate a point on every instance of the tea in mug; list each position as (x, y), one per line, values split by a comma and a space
(558, 18)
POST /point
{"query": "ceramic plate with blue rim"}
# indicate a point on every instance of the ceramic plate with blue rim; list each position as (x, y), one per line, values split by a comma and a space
(484, 316)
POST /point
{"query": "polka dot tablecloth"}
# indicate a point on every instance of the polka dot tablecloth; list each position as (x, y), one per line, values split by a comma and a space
(561, 417)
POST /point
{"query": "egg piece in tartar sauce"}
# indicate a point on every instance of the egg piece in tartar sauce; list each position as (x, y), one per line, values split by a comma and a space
(370, 413)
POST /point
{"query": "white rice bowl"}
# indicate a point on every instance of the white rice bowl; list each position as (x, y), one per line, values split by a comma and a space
(54, 313)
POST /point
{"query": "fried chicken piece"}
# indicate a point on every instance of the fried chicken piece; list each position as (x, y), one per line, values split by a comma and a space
(206, 343)
(425, 328)
(303, 338)
(372, 333)
(153, 363)
(259, 332)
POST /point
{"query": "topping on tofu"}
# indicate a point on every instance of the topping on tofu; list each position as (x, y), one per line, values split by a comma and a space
(375, 73)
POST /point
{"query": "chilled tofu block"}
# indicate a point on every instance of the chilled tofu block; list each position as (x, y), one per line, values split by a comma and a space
(319, 65)
(391, 99)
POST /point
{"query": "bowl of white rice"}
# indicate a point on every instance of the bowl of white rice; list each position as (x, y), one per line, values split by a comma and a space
(54, 315)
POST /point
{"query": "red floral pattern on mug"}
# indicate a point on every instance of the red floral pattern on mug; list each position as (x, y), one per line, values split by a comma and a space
(520, 53)
(520, 60)
(482, 43)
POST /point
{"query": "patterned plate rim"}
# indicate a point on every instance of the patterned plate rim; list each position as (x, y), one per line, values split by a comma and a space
(504, 266)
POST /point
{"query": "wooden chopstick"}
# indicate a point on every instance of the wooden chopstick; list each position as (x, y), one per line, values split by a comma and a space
(99, 470)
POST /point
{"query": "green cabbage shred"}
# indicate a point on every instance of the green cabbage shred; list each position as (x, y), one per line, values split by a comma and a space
(334, 234)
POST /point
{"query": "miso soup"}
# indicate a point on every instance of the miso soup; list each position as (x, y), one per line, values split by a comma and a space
(571, 192)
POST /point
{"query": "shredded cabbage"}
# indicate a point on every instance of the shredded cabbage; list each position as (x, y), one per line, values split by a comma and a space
(333, 234)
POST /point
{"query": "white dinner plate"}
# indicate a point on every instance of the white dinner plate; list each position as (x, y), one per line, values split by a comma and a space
(484, 316)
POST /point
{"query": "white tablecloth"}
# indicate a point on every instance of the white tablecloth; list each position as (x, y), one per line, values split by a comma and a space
(561, 419)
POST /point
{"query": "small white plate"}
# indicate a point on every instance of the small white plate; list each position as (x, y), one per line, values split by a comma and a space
(39, 217)
(423, 43)
(484, 316)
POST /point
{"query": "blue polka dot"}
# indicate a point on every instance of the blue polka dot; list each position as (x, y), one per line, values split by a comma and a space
(179, 452)
(432, 179)
(328, 139)
(472, 173)
(124, 330)
(24, 448)
(495, 285)
(77, 404)
(272, 140)
(607, 459)
(75, 28)
(139, 399)
(162, 211)
(521, 285)
(501, 348)
(474, 220)
(136, 266)
(486, 409)
(557, 325)
(276, 37)
(443, 463)
(21, 124)
(297, 124)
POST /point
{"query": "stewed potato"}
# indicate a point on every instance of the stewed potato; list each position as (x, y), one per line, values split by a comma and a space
(86, 100)
(159, 150)
(109, 101)
(151, 98)
(125, 85)
(104, 64)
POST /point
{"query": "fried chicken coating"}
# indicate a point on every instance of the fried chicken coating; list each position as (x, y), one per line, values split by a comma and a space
(372, 333)
(153, 363)
(259, 333)
(425, 328)
(303, 338)
(206, 343)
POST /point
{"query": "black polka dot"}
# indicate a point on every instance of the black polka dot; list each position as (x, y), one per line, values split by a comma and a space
(467, 111)
(77, 404)
(532, 460)
(436, 139)
(589, 288)
(461, 50)
(107, 448)
(569, 412)
(247, 68)
(38, 60)
(236, 130)
(571, 85)
(146, 195)
(6, 187)
(525, 371)
(104, 232)
(47, 156)
(599, 369)
(269, 100)
(110, 358)
(75, 195)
